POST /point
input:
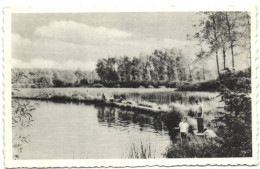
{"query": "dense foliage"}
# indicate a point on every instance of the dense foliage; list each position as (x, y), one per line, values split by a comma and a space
(225, 34)
(211, 85)
(39, 78)
(220, 36)
(166, 67)
(236, 94)
(236, 138)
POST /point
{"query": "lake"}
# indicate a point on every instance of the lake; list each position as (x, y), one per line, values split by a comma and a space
(81, 131)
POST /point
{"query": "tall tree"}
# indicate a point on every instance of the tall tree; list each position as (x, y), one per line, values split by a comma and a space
(216, 41)
(231, 24)
(101, 69)
(209, 33)
(223, 35)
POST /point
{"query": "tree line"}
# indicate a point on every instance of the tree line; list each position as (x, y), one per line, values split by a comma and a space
(39, 78)
(159, 66)
(162, 66)
(222, 36)
(218, 33)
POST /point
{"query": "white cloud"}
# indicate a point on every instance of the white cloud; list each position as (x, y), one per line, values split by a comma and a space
(43, 63)
(69, 45)
(51, 53)
(73, 32)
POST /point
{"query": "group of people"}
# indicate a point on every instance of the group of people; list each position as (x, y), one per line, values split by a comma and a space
(184, 126)
(111, 99)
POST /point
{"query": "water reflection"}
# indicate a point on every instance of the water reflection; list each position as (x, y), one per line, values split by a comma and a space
(112, 116)
(106, 115)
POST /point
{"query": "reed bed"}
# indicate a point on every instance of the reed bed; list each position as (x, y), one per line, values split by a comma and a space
(141, 150)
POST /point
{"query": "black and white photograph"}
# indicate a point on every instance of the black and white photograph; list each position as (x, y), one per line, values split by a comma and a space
(132, 85)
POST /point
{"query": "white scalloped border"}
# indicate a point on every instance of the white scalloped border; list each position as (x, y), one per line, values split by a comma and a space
(9, 163)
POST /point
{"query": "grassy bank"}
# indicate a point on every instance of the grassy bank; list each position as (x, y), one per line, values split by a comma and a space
(144, 100)
(159, 96)
(93, 95)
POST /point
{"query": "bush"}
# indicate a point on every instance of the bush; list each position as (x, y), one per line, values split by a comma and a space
(191, 113)
(83, 82)
(150, 86)
(97, 85)
(172, 119)
(239, 81)
(58, 83)
(196, 148)
(208, 148)
(211, 85)
(236, 140)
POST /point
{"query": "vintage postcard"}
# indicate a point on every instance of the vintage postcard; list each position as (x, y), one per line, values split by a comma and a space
(124, 86)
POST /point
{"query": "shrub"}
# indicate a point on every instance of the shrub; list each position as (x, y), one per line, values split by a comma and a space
(191, 113)
(172, 119)
(97, 85)
(236, 136)
(197, 147)
(211, 85)
(239, 81)
(84, 82)
(150, 86)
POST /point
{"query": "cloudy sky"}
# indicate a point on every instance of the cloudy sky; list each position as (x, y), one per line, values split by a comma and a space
(78, 40)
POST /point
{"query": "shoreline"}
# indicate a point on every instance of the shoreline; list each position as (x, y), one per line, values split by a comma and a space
(126, 106)
(177, 101)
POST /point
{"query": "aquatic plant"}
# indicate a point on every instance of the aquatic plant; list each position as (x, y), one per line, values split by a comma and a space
(142, 150)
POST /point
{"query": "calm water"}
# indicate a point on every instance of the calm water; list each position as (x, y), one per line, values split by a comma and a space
(80, 131)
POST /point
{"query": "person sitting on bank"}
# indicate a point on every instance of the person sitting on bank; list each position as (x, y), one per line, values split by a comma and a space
(199, 116)
(111, 99)
(120, 99)
(184, 128)
(103, 97)
(209, 133)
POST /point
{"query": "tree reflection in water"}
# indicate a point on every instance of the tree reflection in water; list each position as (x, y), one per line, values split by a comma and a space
(112, 116)
(21, 120)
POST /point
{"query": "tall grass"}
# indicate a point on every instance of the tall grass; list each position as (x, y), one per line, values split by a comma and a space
(211, 108)
(195, 148)
(142, 150)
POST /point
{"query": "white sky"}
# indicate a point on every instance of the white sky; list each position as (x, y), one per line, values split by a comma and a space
(78, 40)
